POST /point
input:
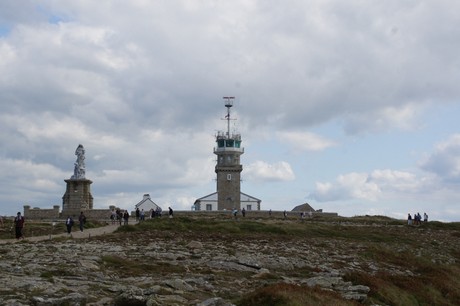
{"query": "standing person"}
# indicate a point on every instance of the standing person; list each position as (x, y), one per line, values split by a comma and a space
(159, 211)
(82, 221)
(234, 212)
(137, 214)
(142, 215)
(285, 214)
(113, 216)
(270, 213)
(19, 226)
(425, 217)
(171, 213)
(243, 212)
(119, 215)
(409, 219)
(126, 217)
(69, 224)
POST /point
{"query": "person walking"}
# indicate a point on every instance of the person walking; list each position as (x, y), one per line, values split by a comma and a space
(69, 224)
(82, 221)
(171, 212)
(19, 226)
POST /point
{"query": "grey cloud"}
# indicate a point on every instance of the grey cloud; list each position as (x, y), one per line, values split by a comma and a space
(111, 75)
(445, 160)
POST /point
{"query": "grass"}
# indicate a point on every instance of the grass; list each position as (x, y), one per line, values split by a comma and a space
(388, 242)
(416, 265)
(38, 228)
(131, 267)
(291, 295)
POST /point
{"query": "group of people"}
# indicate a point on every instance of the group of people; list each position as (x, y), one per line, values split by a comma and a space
(119, 216)
(19, 223)
(69, 222)
(153, 213)
(235, 212)
(416, 219)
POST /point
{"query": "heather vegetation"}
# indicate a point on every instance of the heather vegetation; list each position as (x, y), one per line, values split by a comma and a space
(400, 264)
(420, 264)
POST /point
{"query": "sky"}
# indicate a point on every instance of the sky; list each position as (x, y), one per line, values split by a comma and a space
(350, 106)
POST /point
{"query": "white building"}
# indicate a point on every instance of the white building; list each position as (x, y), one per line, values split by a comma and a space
(146, 204)
(209, 202)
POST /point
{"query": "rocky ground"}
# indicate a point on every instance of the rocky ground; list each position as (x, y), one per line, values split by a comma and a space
(163, 268)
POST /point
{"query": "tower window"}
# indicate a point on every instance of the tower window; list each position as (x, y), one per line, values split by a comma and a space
(220, 143)
(229, 177)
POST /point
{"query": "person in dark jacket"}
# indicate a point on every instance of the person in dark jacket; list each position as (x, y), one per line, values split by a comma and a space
(19, 226)
(69, 224)
(82, 221)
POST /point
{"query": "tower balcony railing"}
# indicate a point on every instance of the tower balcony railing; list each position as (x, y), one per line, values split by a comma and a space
(228, 149)
(224, 135)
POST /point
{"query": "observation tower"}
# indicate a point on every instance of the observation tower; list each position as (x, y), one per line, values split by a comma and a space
(228, 167)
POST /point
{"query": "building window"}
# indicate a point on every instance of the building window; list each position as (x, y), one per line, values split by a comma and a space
(248, 207)
(229, 177)
(208, 206)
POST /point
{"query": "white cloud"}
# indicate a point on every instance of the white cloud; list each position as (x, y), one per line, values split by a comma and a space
(262, 171)
(370, 186)
(348, 186)
(393, 180)
(403, 117)
(305, 141)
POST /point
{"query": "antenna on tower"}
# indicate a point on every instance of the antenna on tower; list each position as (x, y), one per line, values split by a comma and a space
(228, 105)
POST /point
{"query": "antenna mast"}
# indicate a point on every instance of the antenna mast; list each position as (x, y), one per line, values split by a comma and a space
(228, 105)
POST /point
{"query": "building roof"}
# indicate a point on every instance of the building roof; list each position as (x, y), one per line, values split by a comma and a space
(303, 207)
(213, 198)
(145, 201)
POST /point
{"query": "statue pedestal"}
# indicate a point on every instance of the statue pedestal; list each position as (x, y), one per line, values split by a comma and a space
(77, 197)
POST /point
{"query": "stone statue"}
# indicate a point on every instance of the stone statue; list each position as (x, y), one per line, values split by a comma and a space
(79, 169)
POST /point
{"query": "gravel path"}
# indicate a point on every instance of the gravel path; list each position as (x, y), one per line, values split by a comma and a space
(76, 234)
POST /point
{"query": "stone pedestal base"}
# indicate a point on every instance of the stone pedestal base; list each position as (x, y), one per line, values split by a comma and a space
(77, 197)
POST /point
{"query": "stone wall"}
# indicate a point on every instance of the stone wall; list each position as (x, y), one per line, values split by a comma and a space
(93, 214)
(39, 213)
(104, 214)
(55, 214)
(263, 214)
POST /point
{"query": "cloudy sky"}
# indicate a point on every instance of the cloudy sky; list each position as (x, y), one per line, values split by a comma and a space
(351, 106)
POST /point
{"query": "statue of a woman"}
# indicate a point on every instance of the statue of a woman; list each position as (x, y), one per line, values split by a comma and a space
(79, 166)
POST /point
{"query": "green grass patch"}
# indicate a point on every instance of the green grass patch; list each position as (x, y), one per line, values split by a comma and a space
(436, 285)
(50, 274)
(291, 295)
(134, 267)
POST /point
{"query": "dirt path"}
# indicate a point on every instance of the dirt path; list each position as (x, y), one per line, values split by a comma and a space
(76, 234)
